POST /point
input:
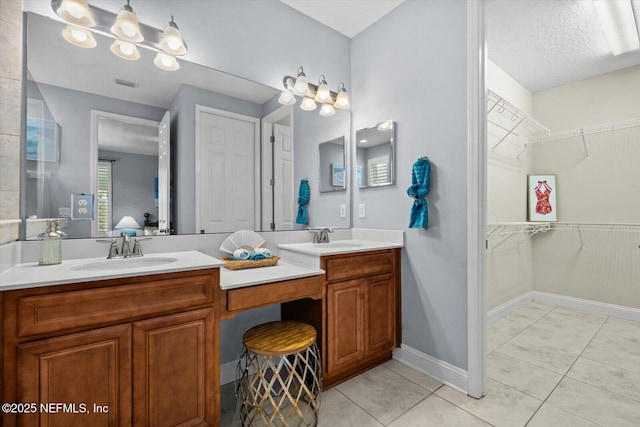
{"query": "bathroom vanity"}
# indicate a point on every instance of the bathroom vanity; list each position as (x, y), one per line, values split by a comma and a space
(142, 347)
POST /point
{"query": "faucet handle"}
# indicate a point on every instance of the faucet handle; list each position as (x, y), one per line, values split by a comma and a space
(113, 248)
(137, 247)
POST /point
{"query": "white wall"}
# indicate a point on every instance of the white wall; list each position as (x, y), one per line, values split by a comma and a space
(411, 67)
(605, 265)
(509, 257)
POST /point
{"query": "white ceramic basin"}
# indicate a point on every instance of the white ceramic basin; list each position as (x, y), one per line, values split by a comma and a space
(123, 264)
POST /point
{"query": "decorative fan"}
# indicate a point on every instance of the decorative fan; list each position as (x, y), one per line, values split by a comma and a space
(247, 239)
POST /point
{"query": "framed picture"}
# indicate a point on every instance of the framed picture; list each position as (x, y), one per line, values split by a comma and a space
(542, 198)
(43, 140)
(337, 175)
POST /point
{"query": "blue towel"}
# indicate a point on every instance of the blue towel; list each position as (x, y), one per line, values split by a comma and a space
(303, 199)
(418, 190)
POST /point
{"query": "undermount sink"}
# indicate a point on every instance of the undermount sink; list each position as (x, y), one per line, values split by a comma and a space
(123, 264)
(338, 245)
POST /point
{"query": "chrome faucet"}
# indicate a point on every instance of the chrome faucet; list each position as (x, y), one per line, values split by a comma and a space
(322, 236)
(126, 251)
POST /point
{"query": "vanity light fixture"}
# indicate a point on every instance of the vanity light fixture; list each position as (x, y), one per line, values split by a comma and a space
(128, 34)
(171, 41)
(384, 126)
(327, 110)
(166, 62)
(79, 36)
(76, 12)
(301, 86)
(127, 26)
(619, 24)
(323, 94)
(125, 50)
(308, 104)
(311, 93)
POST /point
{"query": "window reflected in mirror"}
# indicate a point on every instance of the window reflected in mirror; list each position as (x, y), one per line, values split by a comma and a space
(375, 155)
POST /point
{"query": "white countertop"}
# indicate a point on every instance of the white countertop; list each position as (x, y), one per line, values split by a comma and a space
(339, 247)
(30, 275)
(284, 270)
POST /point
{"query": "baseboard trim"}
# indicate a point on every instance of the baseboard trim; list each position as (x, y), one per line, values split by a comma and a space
(620, 311)
(512, 305)
(228, 372)
(435, 368)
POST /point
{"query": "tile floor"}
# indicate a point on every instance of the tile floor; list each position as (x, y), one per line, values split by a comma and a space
(547, 366)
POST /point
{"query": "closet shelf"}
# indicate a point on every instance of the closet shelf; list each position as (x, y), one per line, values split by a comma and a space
(510, 124)
(510, 229)
(584, 226)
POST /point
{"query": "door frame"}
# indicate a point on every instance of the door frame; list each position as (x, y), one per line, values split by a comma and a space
(266, 131)
(476, 200)
(93, 152)
(256, 159)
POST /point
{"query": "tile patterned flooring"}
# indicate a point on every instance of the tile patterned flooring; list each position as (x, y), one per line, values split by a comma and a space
(547, 366)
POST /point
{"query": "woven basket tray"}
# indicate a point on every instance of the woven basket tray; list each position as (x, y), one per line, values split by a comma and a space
(249, 263)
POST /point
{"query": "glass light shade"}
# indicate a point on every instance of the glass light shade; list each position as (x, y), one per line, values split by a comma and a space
(127, 222)
(79, 37)
(308, 104)
(172, 42)
(342, 100)
(301, 87)
(327, 110)
(323, 94)
(127, 27)
(125, 50)
(166, 62)
(286, 98)
(76, 12)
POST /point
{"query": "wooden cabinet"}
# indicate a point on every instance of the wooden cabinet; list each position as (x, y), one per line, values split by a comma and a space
(140, 351)
(359, 319)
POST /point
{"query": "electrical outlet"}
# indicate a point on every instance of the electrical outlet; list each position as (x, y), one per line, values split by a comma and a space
(82, 206)
(343, 211)
(361, 211)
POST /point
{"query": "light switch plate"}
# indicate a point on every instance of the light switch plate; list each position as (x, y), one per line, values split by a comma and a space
(361, 211)
(82, 206)
(64, 212)
(343, 211)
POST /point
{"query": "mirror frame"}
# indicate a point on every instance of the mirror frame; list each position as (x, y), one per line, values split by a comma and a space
(392, 161)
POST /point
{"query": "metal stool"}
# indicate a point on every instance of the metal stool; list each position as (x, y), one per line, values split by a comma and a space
(279, 375)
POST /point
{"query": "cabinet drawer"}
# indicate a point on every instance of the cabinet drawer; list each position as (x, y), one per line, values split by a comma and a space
(351, 266)
(261, 295)
(90, 307)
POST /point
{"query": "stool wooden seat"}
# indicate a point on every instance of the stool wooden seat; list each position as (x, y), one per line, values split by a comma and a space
(279, 375)
(279, 338)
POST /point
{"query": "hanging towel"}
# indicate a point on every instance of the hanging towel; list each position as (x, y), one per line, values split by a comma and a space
(303, 199)
(418, 190)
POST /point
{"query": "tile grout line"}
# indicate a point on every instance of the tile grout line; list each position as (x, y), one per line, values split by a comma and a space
(565, 375)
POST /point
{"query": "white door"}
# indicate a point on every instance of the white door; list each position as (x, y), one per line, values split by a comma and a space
(283, 177)
(164, 168)
(226, 161)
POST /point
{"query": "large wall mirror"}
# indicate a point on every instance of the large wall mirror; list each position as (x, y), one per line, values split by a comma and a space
(185, 151)
(375, 155)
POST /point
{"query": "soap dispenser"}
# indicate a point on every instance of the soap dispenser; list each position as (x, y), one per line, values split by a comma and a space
(51, 244)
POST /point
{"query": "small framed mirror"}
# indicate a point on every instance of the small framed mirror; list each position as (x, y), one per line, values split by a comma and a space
(332, 162)
(375, 155)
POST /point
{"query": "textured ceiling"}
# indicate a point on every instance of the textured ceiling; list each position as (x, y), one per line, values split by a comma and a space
(548, 43)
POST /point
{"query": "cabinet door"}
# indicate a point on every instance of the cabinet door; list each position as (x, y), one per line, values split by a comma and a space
(345, 318)
(380, 313)
(80, 370)
(174, 375)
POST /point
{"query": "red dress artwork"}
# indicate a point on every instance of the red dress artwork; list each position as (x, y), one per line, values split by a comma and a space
(543, 207)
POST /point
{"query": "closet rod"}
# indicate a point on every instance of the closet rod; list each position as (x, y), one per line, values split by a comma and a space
(580, 132)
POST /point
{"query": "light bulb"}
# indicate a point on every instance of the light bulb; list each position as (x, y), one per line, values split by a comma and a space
(308, 104)
(125, 50)
(79, 37)
(75, 10)
(327, 110)
(286, 98)
(166, 62)
(323, 94)
(128, 29)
